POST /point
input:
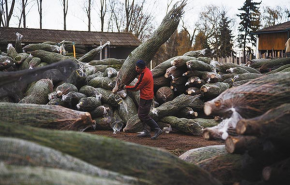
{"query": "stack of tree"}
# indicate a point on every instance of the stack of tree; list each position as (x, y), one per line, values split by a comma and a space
(258, 155)
(259, 152)
(41, 156)
(263, 143)
(89, 88)
(86, 100)
(191, 74)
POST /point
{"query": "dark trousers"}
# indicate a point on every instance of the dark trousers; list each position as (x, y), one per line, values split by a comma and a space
(143, 114)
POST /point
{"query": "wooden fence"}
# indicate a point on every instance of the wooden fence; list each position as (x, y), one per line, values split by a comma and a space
(235, 60)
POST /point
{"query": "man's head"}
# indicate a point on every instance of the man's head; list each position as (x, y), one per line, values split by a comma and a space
(140, 65)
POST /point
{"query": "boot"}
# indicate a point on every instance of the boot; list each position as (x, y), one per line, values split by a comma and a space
(144, 133)
(158, 131)
(154, 126)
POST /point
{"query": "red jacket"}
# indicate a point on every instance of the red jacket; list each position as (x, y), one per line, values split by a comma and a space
(145, 84)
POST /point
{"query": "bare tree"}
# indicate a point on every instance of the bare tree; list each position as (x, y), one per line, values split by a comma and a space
(273, 16)
(24, 3)
(103, 10)
(190, 35)
(65, 9)
(208, 23)
(141, 23)
(116, 16)
(136, 20)
(129, 9)
(88, 10)
(39, 7)
(1, 13)
(6, 12)
(24, 9)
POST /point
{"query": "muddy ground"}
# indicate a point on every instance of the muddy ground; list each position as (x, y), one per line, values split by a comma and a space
(175, 142)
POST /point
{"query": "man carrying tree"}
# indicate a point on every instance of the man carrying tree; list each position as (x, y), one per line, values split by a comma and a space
(146, 86)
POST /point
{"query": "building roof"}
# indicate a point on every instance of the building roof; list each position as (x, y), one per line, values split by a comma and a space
(283, 27)
(8, 35)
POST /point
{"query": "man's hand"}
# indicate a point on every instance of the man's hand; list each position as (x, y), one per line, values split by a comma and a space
(115, 90)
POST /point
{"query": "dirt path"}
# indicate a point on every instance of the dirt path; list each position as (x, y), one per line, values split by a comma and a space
(174, 142)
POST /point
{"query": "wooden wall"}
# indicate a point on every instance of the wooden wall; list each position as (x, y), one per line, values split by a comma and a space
(272, 41)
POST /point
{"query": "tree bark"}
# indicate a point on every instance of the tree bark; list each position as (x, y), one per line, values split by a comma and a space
(161, 68)
(198, 65)
(147, 50)
(39, 92)
(164, 94)
(102, 82)
(41, 46)
(230, 168)
(107, 61)
(273, 125)
(270, 63)
(277, 173)
(212, 90)
(197, 155)
(160, 81)
(136, 160)
(253, 98)
(188, 126)
(47, 176)
(36, 115)
(13, 152)
(172, 107)
(6, 62)
(13, 84)
(49, 57)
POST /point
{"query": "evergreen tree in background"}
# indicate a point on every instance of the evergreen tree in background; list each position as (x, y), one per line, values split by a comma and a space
(225, 37)
(250, 22)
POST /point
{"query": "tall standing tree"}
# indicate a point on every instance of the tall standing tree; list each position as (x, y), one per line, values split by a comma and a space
(171, 45)
(141, 25)
(116, 19)
(250, 22)
(274, 15)
(103, 11)
(130, 17)
(129, 9)
(24, 4)
(24, 10)
(1, 12)
(39, 8)
(189, 35)
(225, 37)
(6, 12)
(208, 24)
(65, 9)
(88, 10)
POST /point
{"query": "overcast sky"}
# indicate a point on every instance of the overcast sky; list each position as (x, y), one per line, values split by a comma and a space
(76, 19)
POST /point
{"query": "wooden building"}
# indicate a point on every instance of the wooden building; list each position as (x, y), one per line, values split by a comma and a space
(271, 40)
(120, 44)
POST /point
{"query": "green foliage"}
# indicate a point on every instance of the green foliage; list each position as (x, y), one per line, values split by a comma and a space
(225, 37)
(250, 22)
